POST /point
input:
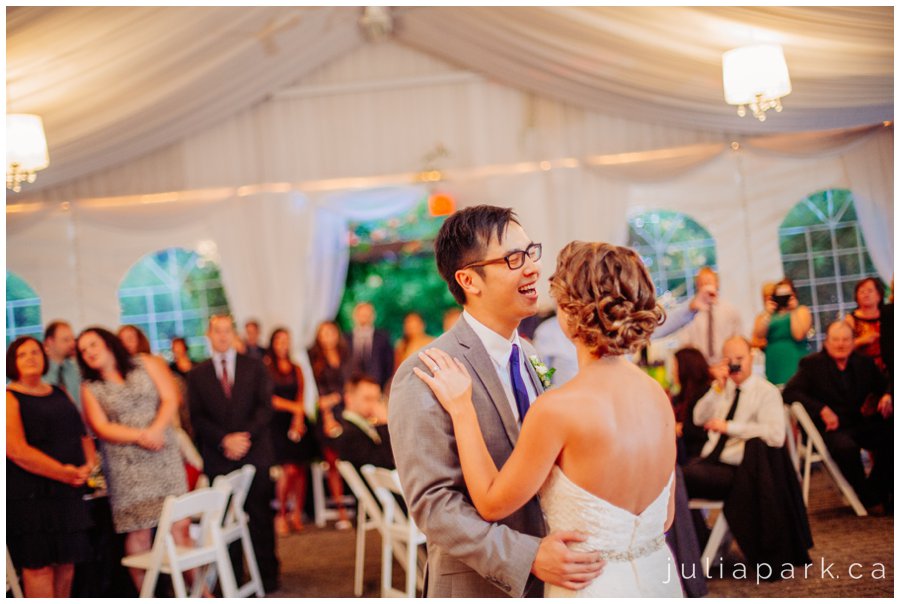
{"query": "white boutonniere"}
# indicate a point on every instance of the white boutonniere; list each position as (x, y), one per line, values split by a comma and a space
(543, 372)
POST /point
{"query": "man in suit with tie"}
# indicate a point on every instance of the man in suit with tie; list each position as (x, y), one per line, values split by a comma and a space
(371, 348)
(230, 397)
(491, 267)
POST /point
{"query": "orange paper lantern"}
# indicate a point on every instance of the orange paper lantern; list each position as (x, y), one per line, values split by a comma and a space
(441, 204)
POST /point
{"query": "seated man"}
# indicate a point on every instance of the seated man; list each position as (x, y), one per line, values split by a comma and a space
(845, 395)
(745, 464)
(739, 406)
(359, 433)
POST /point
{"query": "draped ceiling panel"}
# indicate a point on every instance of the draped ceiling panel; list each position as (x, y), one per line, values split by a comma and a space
(114, 84)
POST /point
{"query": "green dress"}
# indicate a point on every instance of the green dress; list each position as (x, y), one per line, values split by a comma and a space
(783, 352)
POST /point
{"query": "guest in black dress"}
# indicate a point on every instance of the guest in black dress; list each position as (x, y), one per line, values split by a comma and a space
(48, 460)
(294, 442)
(331, 361)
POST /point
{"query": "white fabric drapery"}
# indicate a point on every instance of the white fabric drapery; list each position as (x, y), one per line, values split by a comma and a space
(117, 83)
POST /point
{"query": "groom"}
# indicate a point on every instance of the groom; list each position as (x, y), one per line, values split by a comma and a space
(491, 267)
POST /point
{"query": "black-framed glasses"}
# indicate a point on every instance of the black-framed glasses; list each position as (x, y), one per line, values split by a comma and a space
(514, 260)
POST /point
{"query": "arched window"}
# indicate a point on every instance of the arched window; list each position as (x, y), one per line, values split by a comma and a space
(673, 246)
(23, 309)
(823, 252)
(171, 293)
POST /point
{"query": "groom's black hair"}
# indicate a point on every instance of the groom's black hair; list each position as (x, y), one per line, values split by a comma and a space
(463, 239)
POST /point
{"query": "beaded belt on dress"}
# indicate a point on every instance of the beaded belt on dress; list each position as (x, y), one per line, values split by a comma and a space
(635, 552)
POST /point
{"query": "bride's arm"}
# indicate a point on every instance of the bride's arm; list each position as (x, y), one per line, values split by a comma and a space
(495, 494)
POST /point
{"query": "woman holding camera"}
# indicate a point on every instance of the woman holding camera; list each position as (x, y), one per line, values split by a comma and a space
(784, 324)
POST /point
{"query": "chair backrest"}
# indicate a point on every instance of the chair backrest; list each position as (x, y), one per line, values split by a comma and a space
(386, 484)
(360, 490)
(808, 426)
(238, 483)
(208, 504)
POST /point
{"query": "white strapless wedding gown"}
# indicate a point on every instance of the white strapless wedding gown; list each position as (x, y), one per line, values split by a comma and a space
(638, 560)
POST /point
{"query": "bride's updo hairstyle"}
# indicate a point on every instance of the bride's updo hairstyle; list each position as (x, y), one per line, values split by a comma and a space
(608, 296)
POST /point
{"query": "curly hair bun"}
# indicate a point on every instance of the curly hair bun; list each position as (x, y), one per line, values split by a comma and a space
(608, 296)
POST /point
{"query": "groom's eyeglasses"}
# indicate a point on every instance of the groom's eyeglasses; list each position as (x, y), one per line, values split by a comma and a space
(514, 260)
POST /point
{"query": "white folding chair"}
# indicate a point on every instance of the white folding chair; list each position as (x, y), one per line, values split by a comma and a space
(171, 559)
(235, 525)
(12, 579)
(814, 450)
(719, 531)
(791, 440)
(368, 517)
(396, 529)
(322, 511)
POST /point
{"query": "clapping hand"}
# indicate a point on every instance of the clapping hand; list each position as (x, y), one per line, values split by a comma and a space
(450, 382)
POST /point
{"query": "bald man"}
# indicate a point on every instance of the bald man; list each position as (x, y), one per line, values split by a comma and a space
(739, 406)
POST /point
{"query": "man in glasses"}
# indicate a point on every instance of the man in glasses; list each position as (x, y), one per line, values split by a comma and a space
(491, 266)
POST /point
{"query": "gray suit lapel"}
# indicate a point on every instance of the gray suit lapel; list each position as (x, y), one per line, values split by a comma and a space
(483, 367)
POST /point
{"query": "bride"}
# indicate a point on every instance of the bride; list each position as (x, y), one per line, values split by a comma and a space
(600, 450)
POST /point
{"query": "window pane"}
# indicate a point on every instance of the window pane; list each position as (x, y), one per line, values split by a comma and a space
(823, 266)
(820, 241)
(163, 302)
(849, 264)
(846, 237)
(793, 244)
(796, 270)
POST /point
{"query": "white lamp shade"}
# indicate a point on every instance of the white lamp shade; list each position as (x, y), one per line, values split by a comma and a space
(25, 142)
(755, 70)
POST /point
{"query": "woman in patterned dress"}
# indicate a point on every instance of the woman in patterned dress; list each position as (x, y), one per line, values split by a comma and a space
(129, 403)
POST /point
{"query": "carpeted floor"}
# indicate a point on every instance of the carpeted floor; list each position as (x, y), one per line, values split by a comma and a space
(318, 563)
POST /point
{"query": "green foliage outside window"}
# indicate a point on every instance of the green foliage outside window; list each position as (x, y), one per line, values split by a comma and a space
(392, 266)
(23, 309)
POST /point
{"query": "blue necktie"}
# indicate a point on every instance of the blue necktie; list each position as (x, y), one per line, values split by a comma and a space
(518, 385)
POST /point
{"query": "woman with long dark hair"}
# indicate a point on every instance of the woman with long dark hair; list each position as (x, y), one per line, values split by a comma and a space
(691, 373)
(130, 402)
(294, 442)
(331, 364)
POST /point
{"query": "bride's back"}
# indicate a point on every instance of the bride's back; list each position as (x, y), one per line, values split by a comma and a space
(620, 433)
(619, 428)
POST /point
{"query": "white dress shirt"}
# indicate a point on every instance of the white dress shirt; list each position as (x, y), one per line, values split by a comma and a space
(726, 323)
(499, 349)
(230, 357)
(759, 413)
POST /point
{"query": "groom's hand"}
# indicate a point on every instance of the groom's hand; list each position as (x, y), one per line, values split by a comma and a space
(556, 564)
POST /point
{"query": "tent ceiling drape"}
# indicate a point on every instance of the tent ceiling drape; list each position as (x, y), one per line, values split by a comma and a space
(114, 84)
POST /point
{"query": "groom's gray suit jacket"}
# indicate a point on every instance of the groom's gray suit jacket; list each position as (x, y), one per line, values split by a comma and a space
(467, 556)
